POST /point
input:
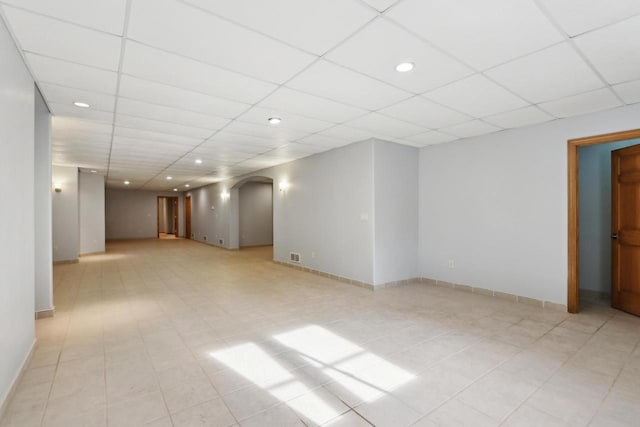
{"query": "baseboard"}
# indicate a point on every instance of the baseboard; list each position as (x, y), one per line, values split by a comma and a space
(93, 253)
(66, 261)
(346, 280)
(496, 294)
(16, 380)
(43, 314)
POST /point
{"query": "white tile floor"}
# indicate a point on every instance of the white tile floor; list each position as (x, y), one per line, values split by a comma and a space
(176, 333)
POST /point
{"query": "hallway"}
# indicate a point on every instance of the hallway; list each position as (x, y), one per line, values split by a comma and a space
(178, 333)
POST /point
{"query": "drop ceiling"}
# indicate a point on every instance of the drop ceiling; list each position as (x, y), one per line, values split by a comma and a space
(170, 82)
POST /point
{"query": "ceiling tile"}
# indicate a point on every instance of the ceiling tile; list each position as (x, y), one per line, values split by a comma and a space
(83, 113)
(162, 67)
(98, 14)
(601, 99)
(295, 148)
(518, 118)
(629, 92)
(183, 29)
(71, 124)
(66, 95)
(481, 33)
(614, 50)
(552, 73)
(324, 141)
(275, 134)
(431, 137)
(170, 115)
(579, 16)
(260, 116)
(160, 126)
(381, 5)
(56, 71)
(301, 23)
(387, 126)
(297, 102)
(381, 45)
(425, 113)
(476, 96)
(337, 83)
(160, 94)
(54, 38)
(472, 128)
(235, 149)
(239, 140)
(155, 136)
(162, 148)
(348, 133)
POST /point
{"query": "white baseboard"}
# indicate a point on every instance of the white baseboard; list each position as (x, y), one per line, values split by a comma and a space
(4, 401)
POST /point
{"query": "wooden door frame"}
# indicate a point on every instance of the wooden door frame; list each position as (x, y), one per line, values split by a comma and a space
(573, 296)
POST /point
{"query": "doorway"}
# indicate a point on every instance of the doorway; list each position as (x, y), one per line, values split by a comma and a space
(573, 294)
(187, 217)
(167, 217)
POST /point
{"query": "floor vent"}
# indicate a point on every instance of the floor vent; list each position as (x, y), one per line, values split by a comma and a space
(294, 257)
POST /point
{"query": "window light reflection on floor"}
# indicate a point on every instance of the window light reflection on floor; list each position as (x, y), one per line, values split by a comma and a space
(253, 363)
(359, 372)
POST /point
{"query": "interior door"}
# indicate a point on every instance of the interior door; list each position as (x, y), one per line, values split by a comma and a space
(187, 216)
(625, 224)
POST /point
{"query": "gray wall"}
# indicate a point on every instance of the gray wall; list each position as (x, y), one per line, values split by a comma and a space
(256, 214)
(326, 215)
(66, 226)
(396, 212)
(17, 233)
(91, 213)
(42, 203)
(133, 214)
(595, 215)
(496, 205)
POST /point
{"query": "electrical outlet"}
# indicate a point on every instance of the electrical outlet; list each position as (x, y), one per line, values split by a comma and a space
(452, 264)
(313, 254)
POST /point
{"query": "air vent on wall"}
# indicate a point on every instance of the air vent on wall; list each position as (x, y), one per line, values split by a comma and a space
(294, 257)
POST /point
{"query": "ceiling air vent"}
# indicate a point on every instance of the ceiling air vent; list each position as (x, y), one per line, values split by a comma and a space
(294, 257)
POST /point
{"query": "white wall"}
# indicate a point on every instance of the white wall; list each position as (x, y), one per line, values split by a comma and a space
(17, 233)
(595, 215)
(255, 214)
(396, 212)
(133, 214)
(496, 205)
(91, 213)
(66, 226)
(42, 204)
(326, 215)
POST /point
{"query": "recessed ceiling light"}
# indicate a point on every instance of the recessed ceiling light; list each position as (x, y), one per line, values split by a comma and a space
(198, 161)
(81, 104)
(187, 185)
(275, 120)
(175, 189)
(169, 178)
(403, 67)
(94, 171)
(127, 183)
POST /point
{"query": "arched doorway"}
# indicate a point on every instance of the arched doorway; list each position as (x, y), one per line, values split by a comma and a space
(254, 225)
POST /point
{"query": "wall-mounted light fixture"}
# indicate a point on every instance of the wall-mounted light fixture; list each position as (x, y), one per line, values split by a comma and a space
(225, 195)
(284, 186)
(57, 187)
